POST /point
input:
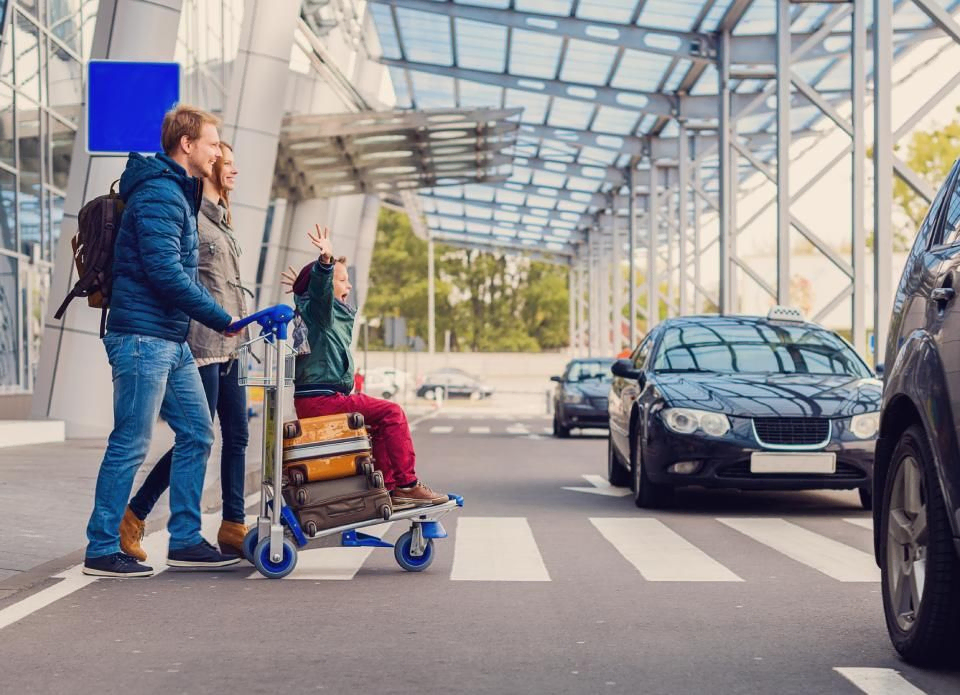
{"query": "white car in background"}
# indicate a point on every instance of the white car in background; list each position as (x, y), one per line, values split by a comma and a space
(385, 382)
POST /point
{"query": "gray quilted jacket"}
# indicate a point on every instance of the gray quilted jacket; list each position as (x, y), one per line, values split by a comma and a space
(219, 269)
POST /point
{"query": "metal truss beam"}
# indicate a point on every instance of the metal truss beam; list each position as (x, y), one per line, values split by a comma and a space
(596, 200)
(574, 238)
(699, 107)
(690, 45)
(612, 174)
(521, 211)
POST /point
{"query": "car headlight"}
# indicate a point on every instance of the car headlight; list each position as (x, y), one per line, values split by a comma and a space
(866, 425)
(573, 398)
(688, 421)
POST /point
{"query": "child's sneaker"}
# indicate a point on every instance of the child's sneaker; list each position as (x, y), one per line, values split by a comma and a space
(418, 495)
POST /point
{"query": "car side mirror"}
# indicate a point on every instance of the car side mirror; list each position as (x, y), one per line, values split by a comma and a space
(624, 368)
(879, 370)
(558, 379)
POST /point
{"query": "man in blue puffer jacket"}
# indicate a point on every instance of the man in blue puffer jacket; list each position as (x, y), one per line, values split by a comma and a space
(155, 295)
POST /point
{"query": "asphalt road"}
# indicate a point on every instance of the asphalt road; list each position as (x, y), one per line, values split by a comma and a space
(538, 589)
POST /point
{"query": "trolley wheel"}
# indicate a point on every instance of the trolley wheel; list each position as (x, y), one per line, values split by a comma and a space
(355, 421)
(298, 476)
(311, 528)
(275, 570)
(366, 465)
(385, 512)
(377, 479)
(401, 551)
(250, 543)
(301, 497)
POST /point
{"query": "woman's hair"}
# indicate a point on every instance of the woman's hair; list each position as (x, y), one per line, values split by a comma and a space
(218, 181)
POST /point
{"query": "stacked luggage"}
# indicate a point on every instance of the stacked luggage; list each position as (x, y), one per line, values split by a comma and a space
(328, 474)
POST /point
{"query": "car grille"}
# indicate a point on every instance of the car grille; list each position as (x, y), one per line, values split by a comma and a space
(845, 471)
(792, 431)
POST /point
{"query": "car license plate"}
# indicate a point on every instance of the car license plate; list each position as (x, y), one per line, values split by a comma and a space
(764, 462)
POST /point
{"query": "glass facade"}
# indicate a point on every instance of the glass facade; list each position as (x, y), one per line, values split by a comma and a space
(43, 48)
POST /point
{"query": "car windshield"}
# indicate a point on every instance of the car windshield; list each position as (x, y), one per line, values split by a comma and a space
(742, 347)
(590, 371)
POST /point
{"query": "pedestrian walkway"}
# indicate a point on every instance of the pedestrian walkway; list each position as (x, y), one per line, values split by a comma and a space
(506, 549)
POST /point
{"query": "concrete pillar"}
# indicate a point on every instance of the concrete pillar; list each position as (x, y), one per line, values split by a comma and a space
(254, 113)
(73, 381)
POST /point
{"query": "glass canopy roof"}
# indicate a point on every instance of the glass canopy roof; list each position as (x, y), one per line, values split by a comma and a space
(594, 78)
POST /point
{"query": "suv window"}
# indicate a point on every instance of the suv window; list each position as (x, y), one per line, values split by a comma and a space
(949, 231)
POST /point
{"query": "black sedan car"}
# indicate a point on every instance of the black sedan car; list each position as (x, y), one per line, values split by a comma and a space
(450, 382)
(580, 398)
(916, 521)
(742, 402)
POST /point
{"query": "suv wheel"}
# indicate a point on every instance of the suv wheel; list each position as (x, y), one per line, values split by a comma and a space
(559, 430)
(920, 571)
(866, 498)
(646, 494)
(617, 475)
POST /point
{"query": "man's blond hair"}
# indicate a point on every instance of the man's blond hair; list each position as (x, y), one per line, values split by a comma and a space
(184, 120)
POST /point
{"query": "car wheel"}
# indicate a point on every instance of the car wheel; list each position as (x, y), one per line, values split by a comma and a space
(866, 498)
(646, 494)
(430, 394)
(559, 430)
(920, 571)
(617, 475)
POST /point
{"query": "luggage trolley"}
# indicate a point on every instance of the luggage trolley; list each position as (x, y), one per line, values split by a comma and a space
(272, 544)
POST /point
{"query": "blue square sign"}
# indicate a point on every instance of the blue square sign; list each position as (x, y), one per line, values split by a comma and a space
(126, 102)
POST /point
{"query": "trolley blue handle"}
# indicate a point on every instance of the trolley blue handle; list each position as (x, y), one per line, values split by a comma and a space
(273, 321)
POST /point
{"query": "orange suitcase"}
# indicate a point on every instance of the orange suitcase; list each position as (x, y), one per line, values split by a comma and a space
(326, 448)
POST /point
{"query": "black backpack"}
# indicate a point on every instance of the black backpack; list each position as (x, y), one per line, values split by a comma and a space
(99, 222)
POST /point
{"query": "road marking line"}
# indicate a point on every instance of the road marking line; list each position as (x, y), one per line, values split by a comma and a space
(600, 487)
(659, 553)
(548, 430)
(332, 564)
(832, 558)
(862, 523)
(518, 428)
(73, 578)
(496, 549)
(879, 681)
(479, 430)
(441, 429)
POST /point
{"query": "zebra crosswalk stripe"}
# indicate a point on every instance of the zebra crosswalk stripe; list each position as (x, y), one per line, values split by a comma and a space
(479, 430)
(659, 553)
(497, 549)
(823, 554)
(441, 429)
(862, 523)
(332, 564)
(879, 681)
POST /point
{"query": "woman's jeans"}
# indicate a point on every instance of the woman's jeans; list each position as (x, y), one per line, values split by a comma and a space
(151, 377)
(228, 399)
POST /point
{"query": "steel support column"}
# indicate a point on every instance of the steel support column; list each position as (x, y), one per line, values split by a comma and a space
(783, 152)
(616, 257)
(882, 172)
(653, 227)
(670, 228)
(632, 250)
(858, 76)
(431, 295)
(683, 189)
(581, 309)
(725, 174)
(697, 240)
(572, 308)
(603, 260)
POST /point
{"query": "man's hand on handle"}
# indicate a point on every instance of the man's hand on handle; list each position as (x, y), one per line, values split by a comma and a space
(227, 332)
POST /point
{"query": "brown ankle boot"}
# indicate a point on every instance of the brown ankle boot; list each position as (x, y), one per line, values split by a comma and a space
(131, 533)
(230, 538)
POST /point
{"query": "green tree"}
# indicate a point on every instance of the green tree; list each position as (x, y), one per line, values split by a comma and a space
(489, 302)
(931, 155)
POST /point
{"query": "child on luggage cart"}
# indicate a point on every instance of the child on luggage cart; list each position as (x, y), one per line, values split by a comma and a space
(324, 372)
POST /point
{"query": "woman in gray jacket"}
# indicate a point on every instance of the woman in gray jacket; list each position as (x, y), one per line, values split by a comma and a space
(216, 358)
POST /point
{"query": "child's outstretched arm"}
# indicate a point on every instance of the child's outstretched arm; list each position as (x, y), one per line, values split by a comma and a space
(314, 292)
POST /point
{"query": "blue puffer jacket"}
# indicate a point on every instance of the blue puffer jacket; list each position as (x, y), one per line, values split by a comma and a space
(155, 288)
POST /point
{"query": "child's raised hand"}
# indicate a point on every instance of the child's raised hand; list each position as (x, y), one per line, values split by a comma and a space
(288, 277)
(322, 241)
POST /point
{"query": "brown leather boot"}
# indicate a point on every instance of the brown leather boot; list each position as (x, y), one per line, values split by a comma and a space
(131, 533)
(230, 538)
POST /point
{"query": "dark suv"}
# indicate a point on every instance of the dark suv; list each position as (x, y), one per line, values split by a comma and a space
(917, 468)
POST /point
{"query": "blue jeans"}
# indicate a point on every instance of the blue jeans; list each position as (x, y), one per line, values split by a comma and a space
(228, 399)
(151, 377)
